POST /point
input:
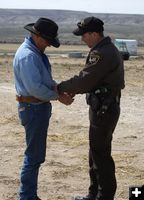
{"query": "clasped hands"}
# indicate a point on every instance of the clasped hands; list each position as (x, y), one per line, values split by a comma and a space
(66, 98)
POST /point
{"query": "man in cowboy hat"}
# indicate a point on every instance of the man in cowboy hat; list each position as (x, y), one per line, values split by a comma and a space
(102, 79)
(35, 89)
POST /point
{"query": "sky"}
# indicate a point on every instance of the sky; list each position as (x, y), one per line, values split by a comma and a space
(92, 6)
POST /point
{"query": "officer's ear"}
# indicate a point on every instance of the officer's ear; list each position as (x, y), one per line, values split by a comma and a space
(94, 35)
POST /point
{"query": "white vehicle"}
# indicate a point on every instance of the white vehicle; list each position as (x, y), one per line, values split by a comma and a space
(131, 45)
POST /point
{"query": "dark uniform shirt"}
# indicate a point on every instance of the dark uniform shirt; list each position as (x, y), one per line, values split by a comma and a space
(103, 68)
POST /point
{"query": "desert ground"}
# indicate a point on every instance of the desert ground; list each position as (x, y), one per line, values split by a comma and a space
(65, 171)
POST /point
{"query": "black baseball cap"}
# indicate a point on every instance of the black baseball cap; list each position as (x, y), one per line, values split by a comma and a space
(89, 24)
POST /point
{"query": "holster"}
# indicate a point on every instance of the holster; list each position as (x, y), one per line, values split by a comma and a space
(93, 101)
(100, 102)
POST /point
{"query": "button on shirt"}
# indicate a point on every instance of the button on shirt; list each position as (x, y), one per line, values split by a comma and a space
(32, 72)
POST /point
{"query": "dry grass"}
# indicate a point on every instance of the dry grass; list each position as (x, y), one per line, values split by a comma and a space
(65, 172)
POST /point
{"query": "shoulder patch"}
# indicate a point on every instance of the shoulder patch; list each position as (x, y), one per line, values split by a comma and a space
(94, 57)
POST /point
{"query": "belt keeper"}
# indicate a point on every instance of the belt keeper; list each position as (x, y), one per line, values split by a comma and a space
(117, 99)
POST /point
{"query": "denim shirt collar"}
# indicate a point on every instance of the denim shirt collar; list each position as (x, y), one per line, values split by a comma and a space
(32, 44)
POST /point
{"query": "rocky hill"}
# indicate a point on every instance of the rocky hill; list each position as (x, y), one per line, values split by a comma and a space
(116, 25)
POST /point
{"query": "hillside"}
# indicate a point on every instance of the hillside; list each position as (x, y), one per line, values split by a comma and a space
(116, 25)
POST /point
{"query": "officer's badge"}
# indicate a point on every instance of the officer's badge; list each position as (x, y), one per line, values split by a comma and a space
(94, 57)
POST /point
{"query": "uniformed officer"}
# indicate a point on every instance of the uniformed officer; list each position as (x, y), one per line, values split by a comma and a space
(102, 79)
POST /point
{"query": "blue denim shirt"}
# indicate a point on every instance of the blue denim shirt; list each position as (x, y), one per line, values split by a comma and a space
(32, 72)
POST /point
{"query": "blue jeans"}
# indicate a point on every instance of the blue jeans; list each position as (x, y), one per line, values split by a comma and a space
(35, 119)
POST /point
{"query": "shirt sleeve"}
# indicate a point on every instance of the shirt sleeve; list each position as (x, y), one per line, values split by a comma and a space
(32, 79)
(88, 78)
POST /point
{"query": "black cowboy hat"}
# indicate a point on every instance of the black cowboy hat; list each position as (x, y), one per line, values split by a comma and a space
(89, 24)
(47, 29)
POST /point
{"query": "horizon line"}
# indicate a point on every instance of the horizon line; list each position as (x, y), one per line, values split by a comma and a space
(72, 10)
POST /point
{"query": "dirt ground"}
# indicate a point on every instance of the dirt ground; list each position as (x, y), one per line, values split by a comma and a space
(65, 171)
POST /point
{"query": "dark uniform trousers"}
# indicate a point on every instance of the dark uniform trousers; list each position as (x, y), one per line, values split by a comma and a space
(102, 167)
